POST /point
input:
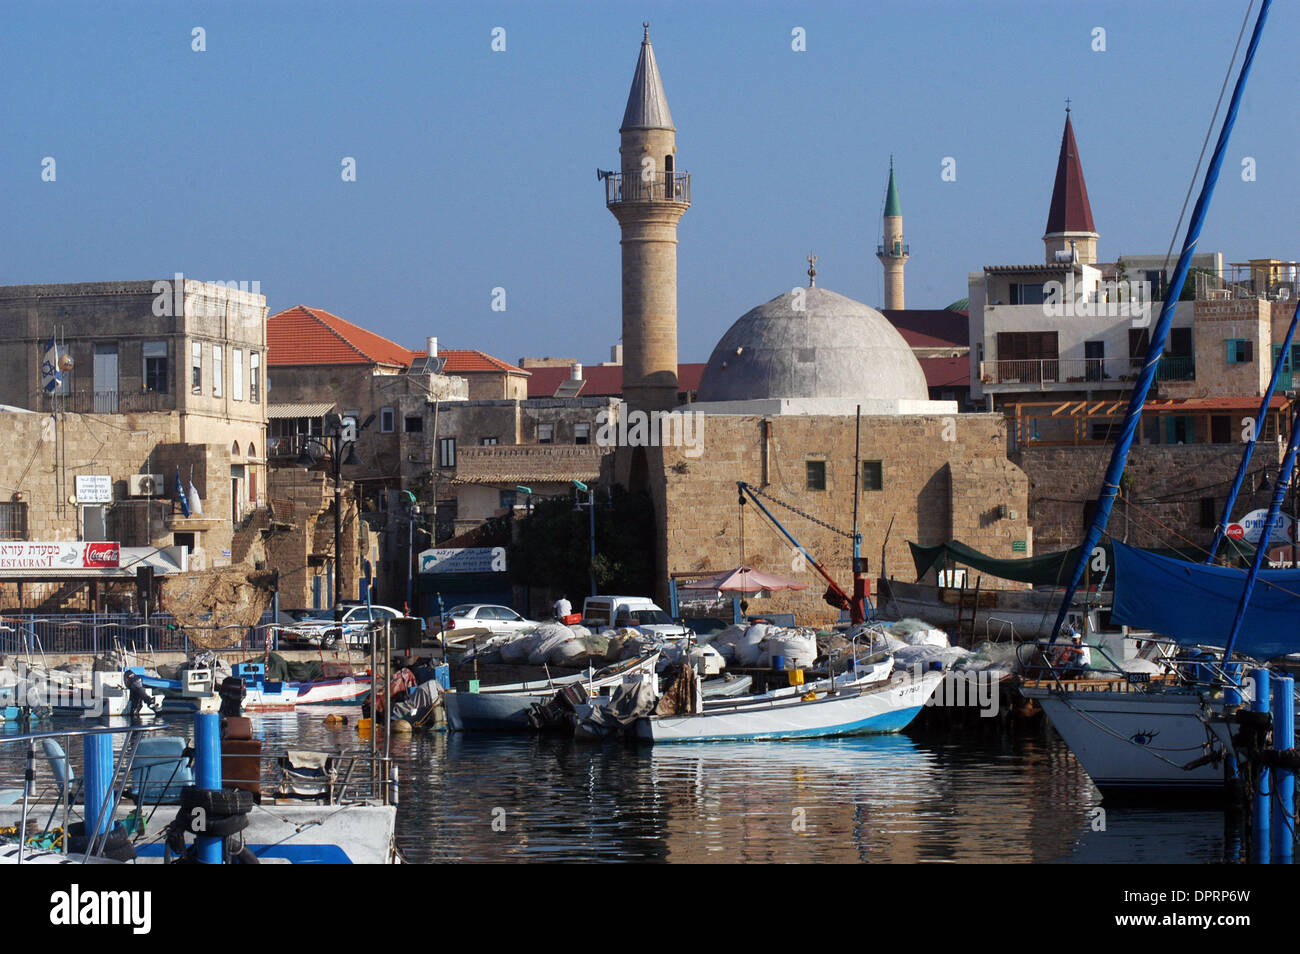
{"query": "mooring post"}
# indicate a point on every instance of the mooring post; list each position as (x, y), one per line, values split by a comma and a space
(1283, 778)
(207, 774)
(1261, 802)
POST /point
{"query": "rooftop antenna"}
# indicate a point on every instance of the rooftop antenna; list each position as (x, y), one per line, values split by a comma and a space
(812, 270)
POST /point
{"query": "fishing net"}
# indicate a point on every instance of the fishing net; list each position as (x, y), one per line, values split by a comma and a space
(216, 607)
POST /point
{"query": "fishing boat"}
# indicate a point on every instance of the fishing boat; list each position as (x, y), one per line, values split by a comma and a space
(855, 707)
(506, 707)
(269, 695)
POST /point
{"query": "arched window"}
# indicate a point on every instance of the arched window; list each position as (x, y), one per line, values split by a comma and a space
(252, 450)
(234, 449)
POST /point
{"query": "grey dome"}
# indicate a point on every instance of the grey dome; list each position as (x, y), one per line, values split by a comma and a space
(834, 348)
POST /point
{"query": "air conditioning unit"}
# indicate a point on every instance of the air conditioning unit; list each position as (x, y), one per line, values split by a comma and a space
(146, 485)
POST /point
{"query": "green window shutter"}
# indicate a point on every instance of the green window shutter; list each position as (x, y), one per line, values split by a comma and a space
(1231, 351)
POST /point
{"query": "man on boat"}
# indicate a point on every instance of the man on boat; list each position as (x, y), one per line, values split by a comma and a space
(1073, 658)
(562, 607)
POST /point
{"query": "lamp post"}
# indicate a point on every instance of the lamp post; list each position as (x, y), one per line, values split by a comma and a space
(591, 516)
(338, 444)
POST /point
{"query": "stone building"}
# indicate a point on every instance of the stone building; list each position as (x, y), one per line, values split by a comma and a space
(159, 379)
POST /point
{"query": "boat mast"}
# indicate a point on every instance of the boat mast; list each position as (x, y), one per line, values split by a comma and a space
(1119, 458)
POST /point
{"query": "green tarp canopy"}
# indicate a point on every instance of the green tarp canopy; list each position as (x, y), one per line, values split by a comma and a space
(1048, 569)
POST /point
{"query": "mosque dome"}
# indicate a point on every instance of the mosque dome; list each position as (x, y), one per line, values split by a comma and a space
(811, 343)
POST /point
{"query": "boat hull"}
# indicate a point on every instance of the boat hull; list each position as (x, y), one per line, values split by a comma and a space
(1135, 744)
(871, 709)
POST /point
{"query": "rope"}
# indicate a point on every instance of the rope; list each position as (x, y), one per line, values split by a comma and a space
(795, 510)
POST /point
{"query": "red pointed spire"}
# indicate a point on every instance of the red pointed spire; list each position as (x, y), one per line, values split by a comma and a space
(1070, 210)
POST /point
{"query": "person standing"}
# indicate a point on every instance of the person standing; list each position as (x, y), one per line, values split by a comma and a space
(562, 607)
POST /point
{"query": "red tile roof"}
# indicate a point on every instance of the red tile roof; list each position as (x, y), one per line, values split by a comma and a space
(931, 328)
(946, 372)
(1070, 211)
(302, 335)
(603, 380)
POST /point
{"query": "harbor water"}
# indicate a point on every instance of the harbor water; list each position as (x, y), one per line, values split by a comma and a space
(917, 797)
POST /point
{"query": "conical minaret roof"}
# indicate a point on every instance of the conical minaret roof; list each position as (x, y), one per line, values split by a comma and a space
(647, 106)
(1070, 210)
(892, 205)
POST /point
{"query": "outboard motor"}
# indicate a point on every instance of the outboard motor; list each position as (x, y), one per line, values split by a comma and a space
(232, 694)
(137, 695)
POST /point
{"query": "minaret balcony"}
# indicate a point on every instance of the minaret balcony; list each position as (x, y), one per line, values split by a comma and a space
(658, 187)
(897, 250)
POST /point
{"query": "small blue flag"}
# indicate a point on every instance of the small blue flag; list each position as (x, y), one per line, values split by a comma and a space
(51, 376)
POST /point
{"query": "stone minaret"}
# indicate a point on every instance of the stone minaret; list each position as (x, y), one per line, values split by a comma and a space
(648, 196)
(892, 252)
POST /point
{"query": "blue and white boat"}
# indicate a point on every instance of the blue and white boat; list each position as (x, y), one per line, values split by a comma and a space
(860, 706)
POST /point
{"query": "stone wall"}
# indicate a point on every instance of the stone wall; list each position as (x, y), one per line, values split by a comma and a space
(1168, 483)
(942, 478)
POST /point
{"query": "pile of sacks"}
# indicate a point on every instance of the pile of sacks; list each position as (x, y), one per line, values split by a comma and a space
(914, 642)
(553, 644)
(761, 643)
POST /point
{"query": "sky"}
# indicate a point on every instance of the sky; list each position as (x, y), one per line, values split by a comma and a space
(476, 168)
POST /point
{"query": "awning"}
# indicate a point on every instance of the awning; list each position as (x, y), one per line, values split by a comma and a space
(313, 409)
(1195, 604)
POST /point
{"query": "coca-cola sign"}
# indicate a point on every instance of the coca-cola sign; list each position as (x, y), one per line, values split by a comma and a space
(59, 556)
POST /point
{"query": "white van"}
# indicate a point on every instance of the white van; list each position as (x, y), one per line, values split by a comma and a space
(641, 612)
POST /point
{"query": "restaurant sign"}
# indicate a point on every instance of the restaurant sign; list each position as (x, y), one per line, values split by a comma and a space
(59, 556)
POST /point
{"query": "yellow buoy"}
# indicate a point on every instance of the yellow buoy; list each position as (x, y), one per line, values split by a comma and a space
(364, 725)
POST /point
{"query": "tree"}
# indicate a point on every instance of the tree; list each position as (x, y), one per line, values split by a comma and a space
(552, 548)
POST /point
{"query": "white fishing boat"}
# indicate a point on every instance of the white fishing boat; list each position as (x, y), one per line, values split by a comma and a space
(857, 706)
(506, 707)
(1141, 742)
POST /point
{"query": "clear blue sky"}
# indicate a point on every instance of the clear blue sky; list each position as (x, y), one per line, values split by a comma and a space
(477, 169)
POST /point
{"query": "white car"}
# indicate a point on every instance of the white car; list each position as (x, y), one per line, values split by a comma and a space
(497, 620)
(321, 629)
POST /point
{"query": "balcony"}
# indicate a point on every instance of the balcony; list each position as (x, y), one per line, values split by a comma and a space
(115, 402)
(897, 250)
(659, 187)
(1073, 374)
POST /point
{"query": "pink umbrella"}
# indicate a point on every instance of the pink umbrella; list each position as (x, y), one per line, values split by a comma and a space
(743, 579)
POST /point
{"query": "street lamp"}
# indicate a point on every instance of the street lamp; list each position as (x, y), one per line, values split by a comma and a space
(339, 445)
(591, 515)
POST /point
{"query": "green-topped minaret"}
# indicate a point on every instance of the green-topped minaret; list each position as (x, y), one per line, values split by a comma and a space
(891, 251)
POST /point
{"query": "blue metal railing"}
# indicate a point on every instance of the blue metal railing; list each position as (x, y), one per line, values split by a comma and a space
(95, 633)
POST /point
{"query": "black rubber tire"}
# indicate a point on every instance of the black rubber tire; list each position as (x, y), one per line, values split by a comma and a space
(214, 801)
(116, 846)
(218, 826)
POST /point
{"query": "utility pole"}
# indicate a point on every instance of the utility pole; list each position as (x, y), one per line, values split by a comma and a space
(591, 530)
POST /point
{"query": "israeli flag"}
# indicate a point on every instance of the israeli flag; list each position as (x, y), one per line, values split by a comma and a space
(180, 494)
(51, 376)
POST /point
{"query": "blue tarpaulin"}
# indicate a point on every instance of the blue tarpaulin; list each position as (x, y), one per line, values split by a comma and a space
(1194, 603)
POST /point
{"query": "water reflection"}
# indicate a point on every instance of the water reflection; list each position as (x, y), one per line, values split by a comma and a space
(904, 798)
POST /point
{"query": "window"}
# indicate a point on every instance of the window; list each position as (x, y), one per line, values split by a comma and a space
(582, 433)
(545, 433)
(1094, 360)
(237, 374)
(387, 420)
(489, 442)
(447, 452)
(196, 368)
(872, 475)
(508, 500)
(1022, 293)
(1209, 513)
(815, 472)
(13, 520)
(255, 377)
(1138, 341)
(218, 372)
(413, 424)
(155, 366)
(1240, 350)
(1027, 356)
(1220, 429)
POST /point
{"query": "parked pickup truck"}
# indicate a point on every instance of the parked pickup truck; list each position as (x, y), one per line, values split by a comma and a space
(641, 612)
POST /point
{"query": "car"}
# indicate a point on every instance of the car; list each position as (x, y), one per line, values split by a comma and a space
(639, 612)
(321, 628)
(495, 619)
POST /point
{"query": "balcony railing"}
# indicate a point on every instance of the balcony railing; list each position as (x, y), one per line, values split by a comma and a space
(659, 187)
(114, 402)
(898, 249)
(1065, 372)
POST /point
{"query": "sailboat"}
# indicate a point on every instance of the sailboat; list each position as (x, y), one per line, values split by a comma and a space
(1172, 736)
